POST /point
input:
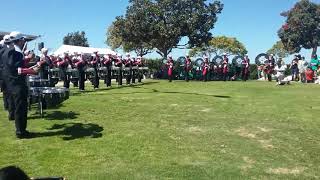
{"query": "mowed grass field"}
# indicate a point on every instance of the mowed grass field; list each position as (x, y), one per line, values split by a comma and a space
(179, 130)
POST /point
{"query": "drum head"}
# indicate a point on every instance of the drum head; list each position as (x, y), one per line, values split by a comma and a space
(217, 60)
(261, 58)
(237, 60)
(199, 62)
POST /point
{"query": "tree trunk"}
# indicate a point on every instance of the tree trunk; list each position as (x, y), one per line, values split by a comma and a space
(314, 50)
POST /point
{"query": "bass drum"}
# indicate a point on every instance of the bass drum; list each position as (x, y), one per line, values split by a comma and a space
(237, 60)
(217, 60)
(181, 59)
(199, 62)
(261, 58)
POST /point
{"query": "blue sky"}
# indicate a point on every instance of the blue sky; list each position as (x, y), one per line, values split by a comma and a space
(253, 22)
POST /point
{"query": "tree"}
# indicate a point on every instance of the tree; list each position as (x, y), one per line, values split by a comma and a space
(117, 38)
(279, 50)
(220, 44)
(302, 27)
(76, 39)
(161, 24)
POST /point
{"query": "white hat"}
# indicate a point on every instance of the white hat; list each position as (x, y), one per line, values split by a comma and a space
(139, 57)
(26, 52)
(169, 56)
(127, 54)
(44, 50)
(6, 38)
(224, 54)
(205, 57)
(15, 35)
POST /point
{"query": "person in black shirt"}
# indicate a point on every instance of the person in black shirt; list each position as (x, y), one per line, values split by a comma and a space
(14, 75)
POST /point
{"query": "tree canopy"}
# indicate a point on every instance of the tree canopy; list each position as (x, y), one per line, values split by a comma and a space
(160, 24)
(279, 50)
(76, 39)
(219, 45)
(302, 27)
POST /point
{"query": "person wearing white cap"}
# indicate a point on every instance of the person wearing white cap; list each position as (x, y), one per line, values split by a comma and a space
(107, 63)
(15, 81)
(128, 68)
(245, 65)
(95, 60)
(80, 64)
(139, 64)
(187, 67)
(46, 64)
(118, 63)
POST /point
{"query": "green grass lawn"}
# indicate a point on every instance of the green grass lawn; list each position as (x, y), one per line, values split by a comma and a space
(179, 130)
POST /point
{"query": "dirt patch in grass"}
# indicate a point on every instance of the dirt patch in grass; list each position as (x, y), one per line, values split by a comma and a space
(294, 171)
(243, 132)
(248, 163)
(266, 144)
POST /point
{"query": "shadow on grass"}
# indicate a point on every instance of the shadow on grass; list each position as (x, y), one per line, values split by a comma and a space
(72, 131)
(175, 92)
(114, 87)
(56, 115)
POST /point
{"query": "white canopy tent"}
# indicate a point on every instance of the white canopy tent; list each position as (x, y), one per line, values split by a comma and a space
(86, 50)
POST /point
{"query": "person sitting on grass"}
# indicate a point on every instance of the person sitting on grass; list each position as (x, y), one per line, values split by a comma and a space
(280, 70)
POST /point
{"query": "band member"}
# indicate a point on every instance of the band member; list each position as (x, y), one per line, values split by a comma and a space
(108, 63)
(205, 68)
(95, 60)
(187, 67)
(134, 71)
(139, 64)
(63, 64)
(245, 65)
(118, 63)
(269, 67)
(46, 64)
(80, 64)
(74, 59)
(225, 67)
(170, 68)
(128, 64)
(4, 45)
(14, 74)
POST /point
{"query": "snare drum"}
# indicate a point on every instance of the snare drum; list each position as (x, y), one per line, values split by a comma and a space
(39, 83)
(53, 97)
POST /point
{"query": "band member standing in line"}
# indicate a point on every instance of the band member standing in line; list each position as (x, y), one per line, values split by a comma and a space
(14, 74)
(187, 67)
(80, 64)
(94, 62)
(245, 65)
(108, 63)
(225, 67)
(170, 68)
(46, 64)
(118, 63)
(4, 45)
(269, 67)
(205, 68)
(134, 71)
(128, 65)
(140, 65)
(63, 65)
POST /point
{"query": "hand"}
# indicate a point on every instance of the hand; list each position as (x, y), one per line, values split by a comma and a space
(36, 69)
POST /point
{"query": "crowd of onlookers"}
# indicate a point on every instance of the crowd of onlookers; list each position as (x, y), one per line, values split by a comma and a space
(298, 70)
